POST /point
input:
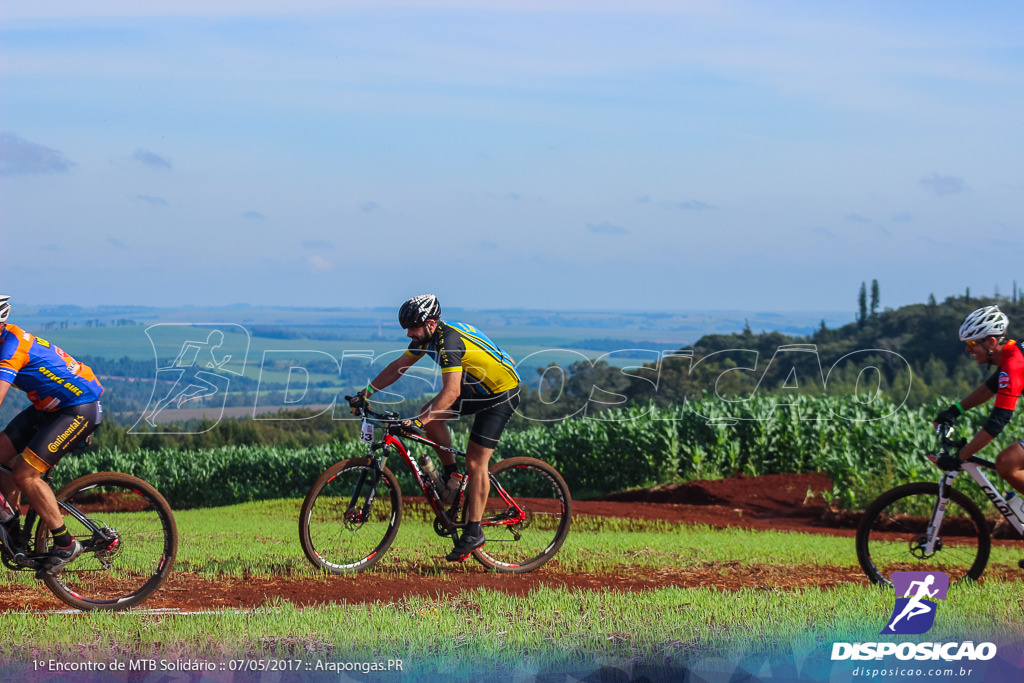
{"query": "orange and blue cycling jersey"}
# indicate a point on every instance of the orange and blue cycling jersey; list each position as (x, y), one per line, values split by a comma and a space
(486, 369)
(51, 378)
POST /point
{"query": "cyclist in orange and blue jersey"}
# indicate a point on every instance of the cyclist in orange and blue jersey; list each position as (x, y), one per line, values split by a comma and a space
(478, 378)
(984, 332)
(65, 410)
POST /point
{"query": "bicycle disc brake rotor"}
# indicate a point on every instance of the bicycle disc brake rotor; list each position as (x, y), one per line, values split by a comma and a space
(527, 518)
(353, 519)
(106, 549)
(918, 544)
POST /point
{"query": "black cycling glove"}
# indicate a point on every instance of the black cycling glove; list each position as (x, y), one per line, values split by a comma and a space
(413, 426)
(950, 462)
(948, 417)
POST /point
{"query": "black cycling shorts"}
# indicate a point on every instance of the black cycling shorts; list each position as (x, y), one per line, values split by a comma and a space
(43, 438)
(492, 414)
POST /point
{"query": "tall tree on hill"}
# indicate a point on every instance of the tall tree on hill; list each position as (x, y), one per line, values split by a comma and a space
(862, 304)
(874, 298)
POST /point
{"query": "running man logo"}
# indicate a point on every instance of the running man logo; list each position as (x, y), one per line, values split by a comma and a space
(194, 368)
(914, 612)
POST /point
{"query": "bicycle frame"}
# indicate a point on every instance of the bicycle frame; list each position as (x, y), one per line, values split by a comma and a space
(974, 467)
(389, 423)
(30, 519)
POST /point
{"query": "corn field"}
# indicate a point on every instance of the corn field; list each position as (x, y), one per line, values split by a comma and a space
(864, 448)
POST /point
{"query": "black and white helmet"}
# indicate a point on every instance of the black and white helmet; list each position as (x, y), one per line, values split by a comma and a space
(418, 310)
(984, 322)
(5, 308)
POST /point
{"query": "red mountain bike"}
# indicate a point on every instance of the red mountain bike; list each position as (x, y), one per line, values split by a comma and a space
(351, 515)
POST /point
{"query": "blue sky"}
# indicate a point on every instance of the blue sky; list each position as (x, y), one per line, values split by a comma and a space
(561, 154)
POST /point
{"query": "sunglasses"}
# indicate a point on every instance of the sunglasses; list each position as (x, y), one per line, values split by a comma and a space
(972, 343)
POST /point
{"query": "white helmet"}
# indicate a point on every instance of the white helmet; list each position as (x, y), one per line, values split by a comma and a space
(984, 322)
(5, 308)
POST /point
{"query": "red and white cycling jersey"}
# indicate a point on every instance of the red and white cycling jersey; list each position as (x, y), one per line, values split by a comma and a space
(1009, 379)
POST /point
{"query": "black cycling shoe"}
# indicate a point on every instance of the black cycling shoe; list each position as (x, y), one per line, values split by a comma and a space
(1020, 563)
(58, 558)
(464, 547)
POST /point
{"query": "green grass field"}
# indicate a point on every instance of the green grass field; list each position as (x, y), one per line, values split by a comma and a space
(261, 539)
(546, 630)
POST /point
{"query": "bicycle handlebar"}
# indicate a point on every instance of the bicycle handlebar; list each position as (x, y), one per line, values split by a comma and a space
(945, 432)
(391, 421)
(361, 407)
(950, 445)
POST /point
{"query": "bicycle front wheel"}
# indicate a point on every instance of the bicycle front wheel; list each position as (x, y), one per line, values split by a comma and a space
(894, 532)
(129, 541)
(527, 516)
(350, 517)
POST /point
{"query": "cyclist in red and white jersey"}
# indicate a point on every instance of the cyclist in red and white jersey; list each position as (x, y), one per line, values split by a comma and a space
(65, 410)
(984, 332)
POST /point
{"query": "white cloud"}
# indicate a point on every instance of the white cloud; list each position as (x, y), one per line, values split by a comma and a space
(21, 157)
(606, 228)
(147, 158)
(318, 262)
(107, 9)
(152, 201)
(944, 185)
(694, 205)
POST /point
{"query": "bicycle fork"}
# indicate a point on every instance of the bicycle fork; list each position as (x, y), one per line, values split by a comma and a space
(356, 516)
(931, 538)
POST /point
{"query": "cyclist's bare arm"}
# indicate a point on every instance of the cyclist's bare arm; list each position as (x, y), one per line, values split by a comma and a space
(974, 399)
(980, 440)
(395, 369)
(437, 407)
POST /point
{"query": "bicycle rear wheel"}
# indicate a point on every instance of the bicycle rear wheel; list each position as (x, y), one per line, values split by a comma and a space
(350, 517)
(892, 535)
(519, 542)
(132, 551)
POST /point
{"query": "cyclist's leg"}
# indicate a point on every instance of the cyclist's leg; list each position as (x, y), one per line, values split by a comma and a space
(1010, 465)
(478, 486)
(13, 440)
(58, 435)
(29, 480)
(437, 431)
(7, 456)
(483, 439)
(491, 417)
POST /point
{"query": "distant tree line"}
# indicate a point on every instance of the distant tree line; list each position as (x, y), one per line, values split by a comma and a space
(910, 355)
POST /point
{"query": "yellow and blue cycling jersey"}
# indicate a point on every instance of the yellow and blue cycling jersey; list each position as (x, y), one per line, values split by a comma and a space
(51, 378)
(486, 369)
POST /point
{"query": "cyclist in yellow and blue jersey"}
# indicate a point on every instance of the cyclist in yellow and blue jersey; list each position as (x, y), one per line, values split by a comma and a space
(65, 410)
(478, 378)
